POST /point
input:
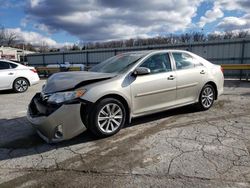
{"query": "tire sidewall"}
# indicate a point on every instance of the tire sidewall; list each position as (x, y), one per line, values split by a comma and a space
(94, 117)
(200, 98)
(14, 85)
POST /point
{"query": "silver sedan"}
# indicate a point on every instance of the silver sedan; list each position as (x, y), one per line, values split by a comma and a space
(125, 86)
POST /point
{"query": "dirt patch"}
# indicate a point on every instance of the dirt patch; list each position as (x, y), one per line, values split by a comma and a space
(220, 103)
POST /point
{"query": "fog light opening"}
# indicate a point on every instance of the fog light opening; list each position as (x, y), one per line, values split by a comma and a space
(58, 132)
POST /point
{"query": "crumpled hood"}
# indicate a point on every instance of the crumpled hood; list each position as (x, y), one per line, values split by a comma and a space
(69, 80)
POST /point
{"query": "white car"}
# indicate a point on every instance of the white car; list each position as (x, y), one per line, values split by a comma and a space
(16, 76)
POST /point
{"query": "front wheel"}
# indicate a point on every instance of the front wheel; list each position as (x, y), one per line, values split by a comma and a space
(206, 98)
(20, 85)
(107, 118)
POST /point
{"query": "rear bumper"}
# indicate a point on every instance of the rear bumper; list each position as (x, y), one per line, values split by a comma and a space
(34, 80)
(221, 86)
(67, 117)
(220, 91)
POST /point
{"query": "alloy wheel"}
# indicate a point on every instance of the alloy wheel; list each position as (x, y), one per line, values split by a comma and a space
(21, 85)
(110, 118)
(207, 97)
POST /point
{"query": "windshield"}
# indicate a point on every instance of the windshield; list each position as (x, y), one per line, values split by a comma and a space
(117, 64)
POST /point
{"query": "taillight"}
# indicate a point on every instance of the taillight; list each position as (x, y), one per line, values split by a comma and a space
(221, 68)
(34, 70)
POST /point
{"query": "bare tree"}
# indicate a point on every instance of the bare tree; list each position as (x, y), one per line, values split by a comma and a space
(2, 36)
(228, 35)
(214, 36)
(167, 39)
(10, 38)
(198, 37)
(7, 37)
(44, 47)
(185, 38)
(75, 47)
(242, 34)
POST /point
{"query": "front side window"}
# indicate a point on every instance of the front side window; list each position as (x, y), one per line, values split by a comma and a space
(183, 61)
(4, 65)
(158, 63)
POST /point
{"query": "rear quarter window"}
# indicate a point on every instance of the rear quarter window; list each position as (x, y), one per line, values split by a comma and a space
(12, 65)
(183, 61)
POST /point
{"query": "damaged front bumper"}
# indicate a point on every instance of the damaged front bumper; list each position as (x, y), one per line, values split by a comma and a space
(55, 123)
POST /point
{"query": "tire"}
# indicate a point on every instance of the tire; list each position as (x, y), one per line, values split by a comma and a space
(20, 85)
(107, 117)
(206, 98)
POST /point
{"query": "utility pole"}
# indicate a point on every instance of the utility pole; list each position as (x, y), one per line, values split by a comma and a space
(23, 52)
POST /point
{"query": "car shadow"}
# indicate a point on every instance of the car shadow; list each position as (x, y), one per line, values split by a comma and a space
(18, 134)
(8, 91)
(164, 114)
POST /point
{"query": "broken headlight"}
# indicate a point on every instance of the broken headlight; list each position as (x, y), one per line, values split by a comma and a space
(60, 97)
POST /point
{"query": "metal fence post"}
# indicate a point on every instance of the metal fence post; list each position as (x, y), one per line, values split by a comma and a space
(44, 64)
(63, 56)
(242, 56)
(87, 60)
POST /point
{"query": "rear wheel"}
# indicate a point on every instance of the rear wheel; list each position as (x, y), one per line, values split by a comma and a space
(107, 118)
(20, 85)
(206, 98)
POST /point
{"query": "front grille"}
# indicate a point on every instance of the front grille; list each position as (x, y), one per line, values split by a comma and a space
(40, 107)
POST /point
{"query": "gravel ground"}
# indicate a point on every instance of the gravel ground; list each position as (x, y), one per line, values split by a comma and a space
(176, 148)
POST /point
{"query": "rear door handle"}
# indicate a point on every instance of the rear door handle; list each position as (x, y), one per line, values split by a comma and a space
(202, 72)
(171, 77)
(11, 73)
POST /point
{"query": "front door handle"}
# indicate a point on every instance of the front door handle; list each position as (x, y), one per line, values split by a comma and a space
(171, 77)
(11, 73)
(202, 72)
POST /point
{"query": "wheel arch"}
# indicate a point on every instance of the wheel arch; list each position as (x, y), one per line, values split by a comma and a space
(122, 100)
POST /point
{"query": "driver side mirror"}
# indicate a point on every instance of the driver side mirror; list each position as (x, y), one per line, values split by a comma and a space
(141, 71)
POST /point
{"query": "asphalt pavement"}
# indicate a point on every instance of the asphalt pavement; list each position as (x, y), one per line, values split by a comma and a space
(175, 148)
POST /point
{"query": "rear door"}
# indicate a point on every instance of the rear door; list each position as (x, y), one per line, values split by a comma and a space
(156, 90)
(190, 77)
(7, 75)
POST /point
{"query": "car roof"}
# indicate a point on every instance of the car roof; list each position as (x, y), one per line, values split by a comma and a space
(145, 52)
(6, 60)
(142, 52)
(9, 61)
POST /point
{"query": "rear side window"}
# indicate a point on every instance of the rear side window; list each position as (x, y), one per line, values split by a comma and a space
(158, 63)
(12, 65)
(4, 65)
(183, 61)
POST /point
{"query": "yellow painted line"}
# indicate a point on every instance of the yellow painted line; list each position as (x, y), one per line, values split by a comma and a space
(47, 69)
(236, 66)
(74, 68)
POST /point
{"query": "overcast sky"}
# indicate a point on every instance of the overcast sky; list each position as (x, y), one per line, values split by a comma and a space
(59, 22)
